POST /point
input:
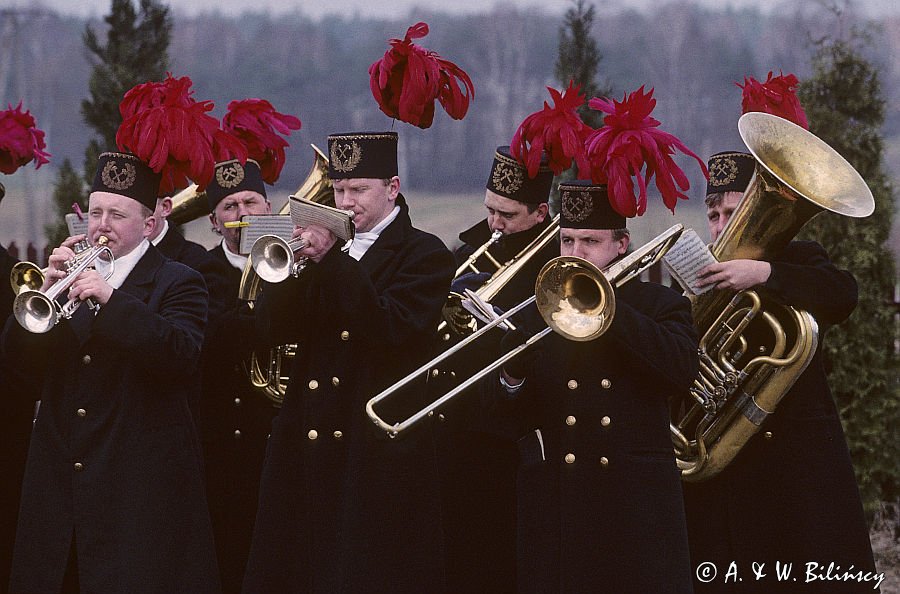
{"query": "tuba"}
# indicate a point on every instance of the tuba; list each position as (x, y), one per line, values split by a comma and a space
(270, 377)
(752, 350)
(460, 321)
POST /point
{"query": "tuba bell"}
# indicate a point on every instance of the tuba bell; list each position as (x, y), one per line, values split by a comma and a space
(753, 350)
(269, 375)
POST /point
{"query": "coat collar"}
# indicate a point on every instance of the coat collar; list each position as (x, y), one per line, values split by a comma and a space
(140, 282)
(393, 235)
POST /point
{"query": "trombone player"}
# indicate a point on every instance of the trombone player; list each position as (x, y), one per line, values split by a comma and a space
(599, 494)
(113, 495)
(478, 457)
(768, 504)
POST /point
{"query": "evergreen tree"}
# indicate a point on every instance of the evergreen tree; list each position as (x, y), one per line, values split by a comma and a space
(579, 58)
(136, 51)
(845, 106)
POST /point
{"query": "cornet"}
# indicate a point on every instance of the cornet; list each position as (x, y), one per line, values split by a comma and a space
(38, 311)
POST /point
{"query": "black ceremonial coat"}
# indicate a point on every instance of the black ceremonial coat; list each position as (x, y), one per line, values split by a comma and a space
(600, 505)
(15, 427)
(479, 456)
(235, 421)
(175, 247)
(114, 460)
(342, 508)
(790, 495)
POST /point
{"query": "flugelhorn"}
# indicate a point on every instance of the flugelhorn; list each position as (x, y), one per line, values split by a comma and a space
(38, 311)
(576, 300)
(743, 378)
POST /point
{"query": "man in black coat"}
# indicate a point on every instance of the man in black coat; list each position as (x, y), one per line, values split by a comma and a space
(342, 508)
(478, 456)
(599, 493)
(235, 419)
(790, 496)
(113, 495)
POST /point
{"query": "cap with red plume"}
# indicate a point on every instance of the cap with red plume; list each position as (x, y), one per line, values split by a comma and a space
(256, 123)
(20, 140)
(558, 130)
(409, 78)
(777, 96)
(166, 128)
(630, 144)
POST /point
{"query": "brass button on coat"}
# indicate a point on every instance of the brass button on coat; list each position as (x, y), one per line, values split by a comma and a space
(313, 434)
(572, 384)
(769, 435)
(604, 461)
(570, 420)
(313, 385)
(81, 412)
(335, 381)
(605, 421)
(345, 335)
(570, 458)
(86, 359)
(237, 401)
(237, 433)
(338, 434)
(606, 384)
(79, 467)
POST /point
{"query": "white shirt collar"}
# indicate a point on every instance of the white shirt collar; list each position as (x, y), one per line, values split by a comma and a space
(236, 260)
(123, 264)
(165, 229)
(363, 241)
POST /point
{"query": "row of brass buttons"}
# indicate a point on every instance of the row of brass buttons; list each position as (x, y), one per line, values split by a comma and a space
(604, 383)
(570, 459)
(605, 421)
(313, 434)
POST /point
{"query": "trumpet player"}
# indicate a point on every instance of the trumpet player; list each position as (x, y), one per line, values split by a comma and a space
(341, 509)
(790, 496)
(113, 497)
(599, 495)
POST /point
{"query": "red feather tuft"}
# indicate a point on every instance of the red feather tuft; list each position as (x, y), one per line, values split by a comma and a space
(20, 140)
(409, 78)
(173, 133)
(630, 141)
(256, 123)
(777, 96)
(558, 130)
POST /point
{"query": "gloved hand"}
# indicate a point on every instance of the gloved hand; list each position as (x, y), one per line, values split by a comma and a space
(522, 364)
(469, 280)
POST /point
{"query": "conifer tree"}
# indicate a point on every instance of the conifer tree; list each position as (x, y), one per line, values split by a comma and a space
(136, 51)
(579, 58)
(845, 106)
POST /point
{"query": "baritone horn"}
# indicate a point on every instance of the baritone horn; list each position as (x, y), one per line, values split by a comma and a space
(576, 300)
(38, 311)
(753, 350)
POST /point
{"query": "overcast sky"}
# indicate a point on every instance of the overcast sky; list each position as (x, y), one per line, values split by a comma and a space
(367, 8)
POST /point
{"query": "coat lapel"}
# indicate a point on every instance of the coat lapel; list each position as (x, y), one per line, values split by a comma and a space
(139, 283)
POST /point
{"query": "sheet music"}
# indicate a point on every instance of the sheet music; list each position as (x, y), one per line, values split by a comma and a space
(76, 225)
(686, 259)
(305, 213)
(259, 225)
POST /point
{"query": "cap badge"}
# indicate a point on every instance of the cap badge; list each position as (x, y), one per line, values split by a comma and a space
(722, 171)
(577, 206)
(230, 175)
(118, 178)
(507, 178)
(345, 156)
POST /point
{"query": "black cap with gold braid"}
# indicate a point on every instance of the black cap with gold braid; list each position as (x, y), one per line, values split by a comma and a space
(509, 178)
(231, 177)
(126, 175)
(730, 172)
(584, 205)
(362, 154)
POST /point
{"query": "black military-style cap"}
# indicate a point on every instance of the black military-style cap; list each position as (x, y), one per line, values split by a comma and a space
(362, 154)
(730, 171)
(126, 175)
(231, 177)
(509, 179)
(584, 205)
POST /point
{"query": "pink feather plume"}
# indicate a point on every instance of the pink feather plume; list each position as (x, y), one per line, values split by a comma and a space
(256, 123)
(777, 96)
(20, 140)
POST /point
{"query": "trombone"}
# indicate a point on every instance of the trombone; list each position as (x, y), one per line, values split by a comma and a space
(576, 300)
(39, 311)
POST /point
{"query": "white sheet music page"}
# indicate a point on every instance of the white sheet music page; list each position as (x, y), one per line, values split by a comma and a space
(686, 259)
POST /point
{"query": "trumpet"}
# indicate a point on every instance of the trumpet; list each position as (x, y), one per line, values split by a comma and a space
(576, 300)
(26, 276)
(273, 258)
(39, 311)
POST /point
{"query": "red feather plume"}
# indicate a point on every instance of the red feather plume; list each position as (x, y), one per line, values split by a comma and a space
(164, 126)
(409, 78)
(558, 130)
(20, 140)
(630, 142)
(777, 96)
(256, 123)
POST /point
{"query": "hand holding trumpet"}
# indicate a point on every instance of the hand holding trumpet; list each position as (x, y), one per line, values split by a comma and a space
(318, 241)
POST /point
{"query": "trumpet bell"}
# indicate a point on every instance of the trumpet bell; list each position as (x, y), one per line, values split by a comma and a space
(272, 258)
(35, 312)
(25, 276)
(575, 299)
